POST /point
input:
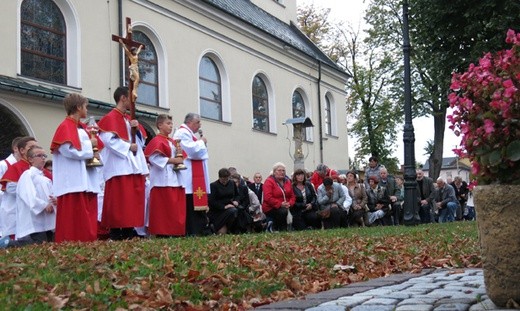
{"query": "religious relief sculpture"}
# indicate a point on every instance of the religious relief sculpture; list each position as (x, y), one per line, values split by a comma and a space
(133, 56)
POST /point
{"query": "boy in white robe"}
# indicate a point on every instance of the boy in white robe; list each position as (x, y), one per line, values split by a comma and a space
(7, 162)
(35, 214)
(9, 183)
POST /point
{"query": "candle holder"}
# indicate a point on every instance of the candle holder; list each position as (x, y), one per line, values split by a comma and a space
(93, 129)
(178, 154)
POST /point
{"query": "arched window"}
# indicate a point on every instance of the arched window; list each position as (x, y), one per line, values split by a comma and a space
(331, 118)
(260, 105)
(328, 116)
(210, 86)
(148, 90)
(43, 41)
(298, 108)
(298, 105)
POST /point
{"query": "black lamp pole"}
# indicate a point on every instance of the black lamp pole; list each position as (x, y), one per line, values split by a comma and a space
(411, 215)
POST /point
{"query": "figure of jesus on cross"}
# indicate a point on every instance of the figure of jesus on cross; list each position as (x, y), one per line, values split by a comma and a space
(133, 57)
(132, 50)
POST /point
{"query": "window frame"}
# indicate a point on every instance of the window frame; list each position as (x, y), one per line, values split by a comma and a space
(63, 36)
(217, 83)
(266, 114)
(156, 85)
(332, 122)
(307, 134)
(328, 116)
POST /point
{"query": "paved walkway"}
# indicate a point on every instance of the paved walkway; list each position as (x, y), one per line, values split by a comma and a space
(431, 290)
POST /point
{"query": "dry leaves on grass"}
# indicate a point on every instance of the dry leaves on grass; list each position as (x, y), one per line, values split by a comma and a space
(222, 273)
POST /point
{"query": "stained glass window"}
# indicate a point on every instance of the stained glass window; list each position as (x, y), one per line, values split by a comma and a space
(260, 105)
(43, 41)
(298, 107)
(328, 122)
(210, 89)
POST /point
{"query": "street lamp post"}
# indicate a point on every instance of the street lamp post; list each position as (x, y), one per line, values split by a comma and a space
(411, 215)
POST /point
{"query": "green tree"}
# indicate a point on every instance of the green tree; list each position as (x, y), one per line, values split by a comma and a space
(385, 26)
(446, 35)
(371, 106)
(314, 23)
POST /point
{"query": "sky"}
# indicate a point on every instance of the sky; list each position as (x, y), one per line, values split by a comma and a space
(352, 11)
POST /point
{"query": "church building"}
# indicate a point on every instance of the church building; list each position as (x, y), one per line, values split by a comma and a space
(243, 65)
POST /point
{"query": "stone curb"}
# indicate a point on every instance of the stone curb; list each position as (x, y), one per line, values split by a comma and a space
(313, 300)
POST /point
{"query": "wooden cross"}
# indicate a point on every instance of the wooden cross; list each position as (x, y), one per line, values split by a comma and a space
(132, 64)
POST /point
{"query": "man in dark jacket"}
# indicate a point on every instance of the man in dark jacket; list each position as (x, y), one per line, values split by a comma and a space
(446, 201)
(388, 181)
(257, 186)
(426, 193)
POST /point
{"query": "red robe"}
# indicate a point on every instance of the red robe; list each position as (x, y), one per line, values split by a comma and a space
(159, 144)
(76, 213)
(167, 204)
(67, 132)
(123, 204)
(114, 122)
(14, 172)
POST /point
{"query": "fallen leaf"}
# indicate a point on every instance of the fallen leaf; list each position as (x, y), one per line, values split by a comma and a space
(164, 296)
(57, 302)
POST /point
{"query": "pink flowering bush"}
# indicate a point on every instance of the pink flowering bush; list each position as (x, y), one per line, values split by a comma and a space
(486, 114)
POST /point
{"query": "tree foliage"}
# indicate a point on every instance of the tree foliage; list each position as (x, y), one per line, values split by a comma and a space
(372, 105)
(314, 23)
(446, 35)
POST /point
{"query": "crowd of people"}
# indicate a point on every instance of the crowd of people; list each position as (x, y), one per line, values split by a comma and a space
(105, 183)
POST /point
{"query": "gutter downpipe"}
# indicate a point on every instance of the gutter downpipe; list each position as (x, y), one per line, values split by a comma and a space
(320, 123)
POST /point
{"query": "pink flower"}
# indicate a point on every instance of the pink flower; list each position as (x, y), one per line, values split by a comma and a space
(489, 126)
(510, 88)
(511, 36)
(485, 62)
(458, 152)
(486, 108)
(475, 168)
(455, 84)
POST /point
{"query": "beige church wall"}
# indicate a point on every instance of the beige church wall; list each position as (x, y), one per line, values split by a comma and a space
(284, 10)
(235, 143)
(8, 34)
(99, 54)
(186, 34)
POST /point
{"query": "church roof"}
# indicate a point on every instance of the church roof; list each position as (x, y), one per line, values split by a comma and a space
(448, 163)
(246, 11)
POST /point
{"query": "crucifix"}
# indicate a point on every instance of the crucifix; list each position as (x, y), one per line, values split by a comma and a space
(132, 50)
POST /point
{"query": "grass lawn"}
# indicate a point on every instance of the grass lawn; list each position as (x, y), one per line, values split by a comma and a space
(233, 272)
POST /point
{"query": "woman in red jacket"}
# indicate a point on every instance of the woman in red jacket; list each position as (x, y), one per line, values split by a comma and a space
(278, 197)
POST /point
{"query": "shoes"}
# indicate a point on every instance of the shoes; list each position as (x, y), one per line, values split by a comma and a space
(269, 226)
(4, 242)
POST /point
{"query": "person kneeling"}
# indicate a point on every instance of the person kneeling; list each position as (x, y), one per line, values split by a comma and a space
(330, 201)
(223, 203)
